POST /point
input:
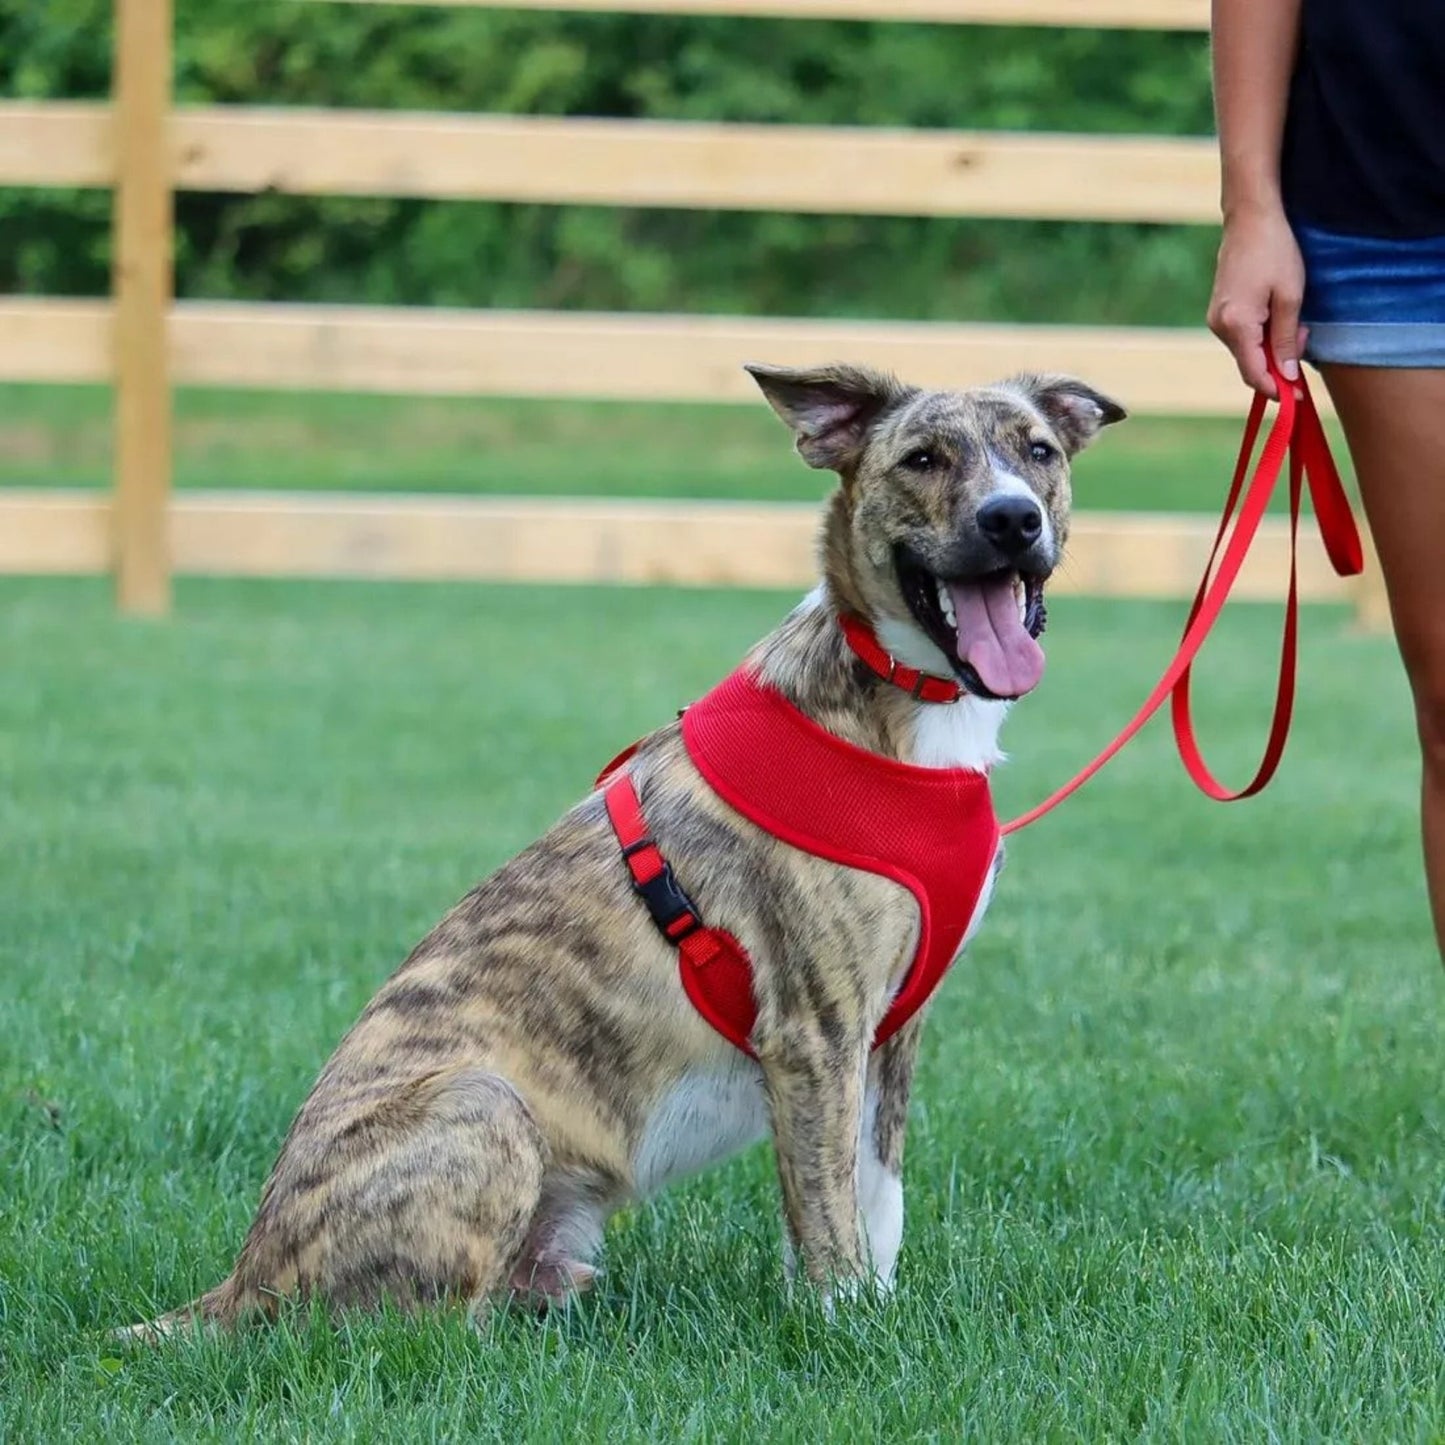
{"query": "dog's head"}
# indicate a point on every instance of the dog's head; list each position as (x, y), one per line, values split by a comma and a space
(953, 511)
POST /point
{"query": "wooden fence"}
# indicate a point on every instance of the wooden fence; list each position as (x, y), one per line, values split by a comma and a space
(145, 148)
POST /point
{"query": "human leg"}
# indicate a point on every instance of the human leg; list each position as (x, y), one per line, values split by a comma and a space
(1394, 420)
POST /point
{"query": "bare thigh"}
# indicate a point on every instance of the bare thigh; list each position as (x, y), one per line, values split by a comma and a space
(1395, 422)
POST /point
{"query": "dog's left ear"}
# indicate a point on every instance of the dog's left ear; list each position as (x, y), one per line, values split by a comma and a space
(1075, 411)
(829, 408)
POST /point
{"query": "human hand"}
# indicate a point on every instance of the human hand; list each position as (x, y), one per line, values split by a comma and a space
(1258, 286)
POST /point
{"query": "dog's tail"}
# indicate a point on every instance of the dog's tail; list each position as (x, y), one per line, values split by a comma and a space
(217, 1309)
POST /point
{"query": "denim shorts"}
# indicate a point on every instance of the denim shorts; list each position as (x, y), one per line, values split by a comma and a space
(1373, 301)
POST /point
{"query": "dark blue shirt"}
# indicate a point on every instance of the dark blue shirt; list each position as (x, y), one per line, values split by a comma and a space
(1364, 150)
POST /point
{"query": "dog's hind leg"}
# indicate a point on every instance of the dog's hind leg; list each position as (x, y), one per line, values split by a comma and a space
(425, 1196)
(557, 1260)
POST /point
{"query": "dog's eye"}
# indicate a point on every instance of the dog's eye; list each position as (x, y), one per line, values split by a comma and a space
(1042, 451)
(921, 460)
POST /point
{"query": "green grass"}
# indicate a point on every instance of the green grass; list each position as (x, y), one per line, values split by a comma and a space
(61, 436)
(1177, 1162)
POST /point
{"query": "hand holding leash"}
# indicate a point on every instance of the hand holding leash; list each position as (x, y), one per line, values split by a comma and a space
(1258, 286)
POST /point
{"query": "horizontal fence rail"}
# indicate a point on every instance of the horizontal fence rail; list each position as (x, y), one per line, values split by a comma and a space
(1101, 14)
(57, 143)
(827, 169)
(518, 539)
(603, 356)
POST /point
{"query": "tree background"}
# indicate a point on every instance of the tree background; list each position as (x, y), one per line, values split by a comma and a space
(695, 68)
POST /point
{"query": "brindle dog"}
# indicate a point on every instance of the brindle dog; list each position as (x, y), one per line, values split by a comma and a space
(534, 1064)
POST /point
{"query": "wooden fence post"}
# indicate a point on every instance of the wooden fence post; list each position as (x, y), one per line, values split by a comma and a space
(142, 292)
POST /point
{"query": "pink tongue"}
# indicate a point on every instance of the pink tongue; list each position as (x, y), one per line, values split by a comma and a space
(992, 639)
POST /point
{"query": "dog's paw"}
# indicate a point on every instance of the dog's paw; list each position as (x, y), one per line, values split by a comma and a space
(547, 1284)
(842, 1296)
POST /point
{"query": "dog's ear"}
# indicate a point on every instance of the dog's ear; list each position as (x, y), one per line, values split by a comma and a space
(829, 408)
(1075, 411)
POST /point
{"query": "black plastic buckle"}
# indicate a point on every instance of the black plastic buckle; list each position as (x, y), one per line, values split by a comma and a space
(666, 902)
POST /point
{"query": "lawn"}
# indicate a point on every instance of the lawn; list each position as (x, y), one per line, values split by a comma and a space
(1176, 1168)
(61, 436)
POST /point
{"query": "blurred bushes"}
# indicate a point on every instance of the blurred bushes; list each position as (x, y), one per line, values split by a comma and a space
(442, 253)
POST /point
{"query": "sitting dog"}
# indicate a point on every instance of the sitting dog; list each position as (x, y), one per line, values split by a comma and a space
(735, 932)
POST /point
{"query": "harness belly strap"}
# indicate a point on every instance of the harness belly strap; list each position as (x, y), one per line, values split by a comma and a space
(932, 830)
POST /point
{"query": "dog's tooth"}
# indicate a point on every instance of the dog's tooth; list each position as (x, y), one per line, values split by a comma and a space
(945, 603)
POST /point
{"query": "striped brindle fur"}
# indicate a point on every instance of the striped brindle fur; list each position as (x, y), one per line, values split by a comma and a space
(534, 1064)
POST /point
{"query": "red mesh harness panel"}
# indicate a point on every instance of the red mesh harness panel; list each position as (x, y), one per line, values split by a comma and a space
(931, 829)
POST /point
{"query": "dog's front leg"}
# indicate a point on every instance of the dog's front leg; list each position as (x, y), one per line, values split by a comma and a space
(880, 1155)
(815, 1096)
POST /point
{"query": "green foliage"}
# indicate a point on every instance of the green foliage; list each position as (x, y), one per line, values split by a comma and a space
(262, 51)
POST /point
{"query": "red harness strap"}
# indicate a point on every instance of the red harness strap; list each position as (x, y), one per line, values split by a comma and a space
(933, 830)
(716, 972)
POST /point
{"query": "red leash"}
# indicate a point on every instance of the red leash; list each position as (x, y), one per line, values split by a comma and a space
(1295, 433)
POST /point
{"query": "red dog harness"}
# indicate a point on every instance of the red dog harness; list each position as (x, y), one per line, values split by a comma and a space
(931, 829)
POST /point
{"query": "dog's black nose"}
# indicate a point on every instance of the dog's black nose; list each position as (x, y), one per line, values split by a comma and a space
(1012, 523)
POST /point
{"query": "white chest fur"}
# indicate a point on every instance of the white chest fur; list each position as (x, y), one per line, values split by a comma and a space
(706, 1116)
(962, 734)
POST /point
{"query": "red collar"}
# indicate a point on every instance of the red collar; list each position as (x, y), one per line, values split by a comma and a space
(924, 686)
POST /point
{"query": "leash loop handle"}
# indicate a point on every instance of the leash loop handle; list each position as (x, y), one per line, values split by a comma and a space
(1295, 434)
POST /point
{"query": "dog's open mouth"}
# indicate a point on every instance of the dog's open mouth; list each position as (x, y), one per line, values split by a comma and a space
(987, 626)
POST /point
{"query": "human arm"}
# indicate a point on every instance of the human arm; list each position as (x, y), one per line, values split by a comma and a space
(1259, 278)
